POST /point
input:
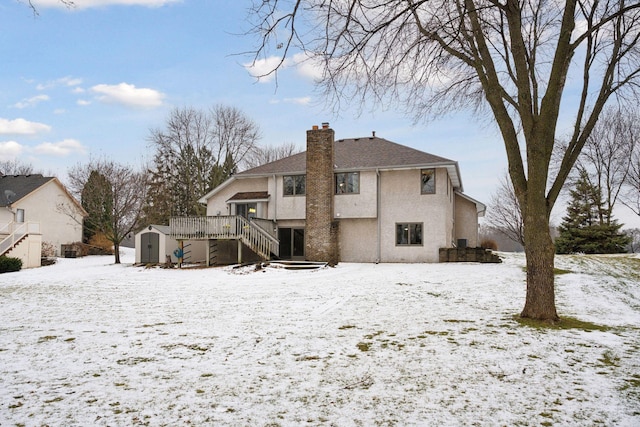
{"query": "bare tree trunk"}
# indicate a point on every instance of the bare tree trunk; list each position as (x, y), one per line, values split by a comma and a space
(540, 251)
(116, 252)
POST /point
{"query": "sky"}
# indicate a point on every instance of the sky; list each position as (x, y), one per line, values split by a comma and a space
(93, 81)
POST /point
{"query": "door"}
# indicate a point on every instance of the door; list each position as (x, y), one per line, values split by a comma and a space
(149, 248)
(247, 210)
(291, 243)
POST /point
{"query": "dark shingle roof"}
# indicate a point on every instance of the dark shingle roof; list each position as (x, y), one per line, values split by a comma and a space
(15, 187)
(251, 195)
(356, 153)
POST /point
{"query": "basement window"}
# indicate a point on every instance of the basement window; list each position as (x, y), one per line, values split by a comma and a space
(409, 234)
(294, 185)
(428, 181)
(347, 183)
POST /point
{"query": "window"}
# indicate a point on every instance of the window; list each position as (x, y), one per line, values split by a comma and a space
(19, 215)
(348, 183)
(428, 181)
(409, 233)
(294, 185)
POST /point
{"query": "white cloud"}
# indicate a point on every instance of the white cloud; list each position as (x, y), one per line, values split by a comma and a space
(63, 81)
(10, 150)
(21, 127)
(31, 102)
(128, 95)
(83, 102)
(60, 149)
(305, 65)
(306, 100)
(308, 66)
(86, 4)
(262, 69)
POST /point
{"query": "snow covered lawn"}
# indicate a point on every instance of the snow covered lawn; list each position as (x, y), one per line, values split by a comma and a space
(88, 343)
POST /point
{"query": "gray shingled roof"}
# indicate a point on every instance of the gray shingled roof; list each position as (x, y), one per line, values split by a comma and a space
(356, 153)
(15, 187)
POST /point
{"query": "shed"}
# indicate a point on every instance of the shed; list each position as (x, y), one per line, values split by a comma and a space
(153, 243)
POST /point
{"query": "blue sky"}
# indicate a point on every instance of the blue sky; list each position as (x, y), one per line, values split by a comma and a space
(94, 80)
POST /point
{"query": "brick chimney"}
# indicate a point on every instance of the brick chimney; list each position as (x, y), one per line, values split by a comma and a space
(321, 233)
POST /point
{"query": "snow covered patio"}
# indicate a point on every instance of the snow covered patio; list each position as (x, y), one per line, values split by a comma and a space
(85, 342)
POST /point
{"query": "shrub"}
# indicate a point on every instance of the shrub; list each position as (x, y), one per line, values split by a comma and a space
(100, 245)
(48, 250)
(489, 244)
(9, 264)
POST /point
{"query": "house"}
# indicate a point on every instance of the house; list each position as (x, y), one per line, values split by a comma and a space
(351, 200)
(154, 244)
(34, 211)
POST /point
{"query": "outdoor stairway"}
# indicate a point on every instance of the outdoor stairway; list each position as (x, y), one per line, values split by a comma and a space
(228, 227)
(13, 233)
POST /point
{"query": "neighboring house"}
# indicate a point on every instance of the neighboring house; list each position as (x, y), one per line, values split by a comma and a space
(37, 210)
(352, 200)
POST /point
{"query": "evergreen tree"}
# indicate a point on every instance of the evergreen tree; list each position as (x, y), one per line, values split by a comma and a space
(97, 199)
(588, 226)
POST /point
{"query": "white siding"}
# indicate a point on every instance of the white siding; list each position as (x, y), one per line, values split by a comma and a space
(59, 217)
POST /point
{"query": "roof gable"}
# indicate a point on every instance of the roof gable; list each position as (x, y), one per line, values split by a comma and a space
(16, 187)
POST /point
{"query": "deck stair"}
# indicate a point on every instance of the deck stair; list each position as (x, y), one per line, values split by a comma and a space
(13, 233)
(228, 227)
(299, 265)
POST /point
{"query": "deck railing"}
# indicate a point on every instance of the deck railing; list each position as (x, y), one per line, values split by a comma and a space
(225, 227)
(13, 232)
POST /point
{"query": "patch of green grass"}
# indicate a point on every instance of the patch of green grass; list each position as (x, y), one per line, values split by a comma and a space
(206, 375)
(556, 271)
(563, 324)
(347, 327)
(47, 338)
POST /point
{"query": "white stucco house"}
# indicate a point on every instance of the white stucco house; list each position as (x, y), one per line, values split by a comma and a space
(35, 209)
(351, 200)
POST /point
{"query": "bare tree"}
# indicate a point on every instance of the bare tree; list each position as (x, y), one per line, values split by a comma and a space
(113, 195)
(15, 167)
(196, 151)
(184, 166)
(503, 214)
(509, 58)
(234, 133)
(631, 196)
(607, 156)
(270, 153)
